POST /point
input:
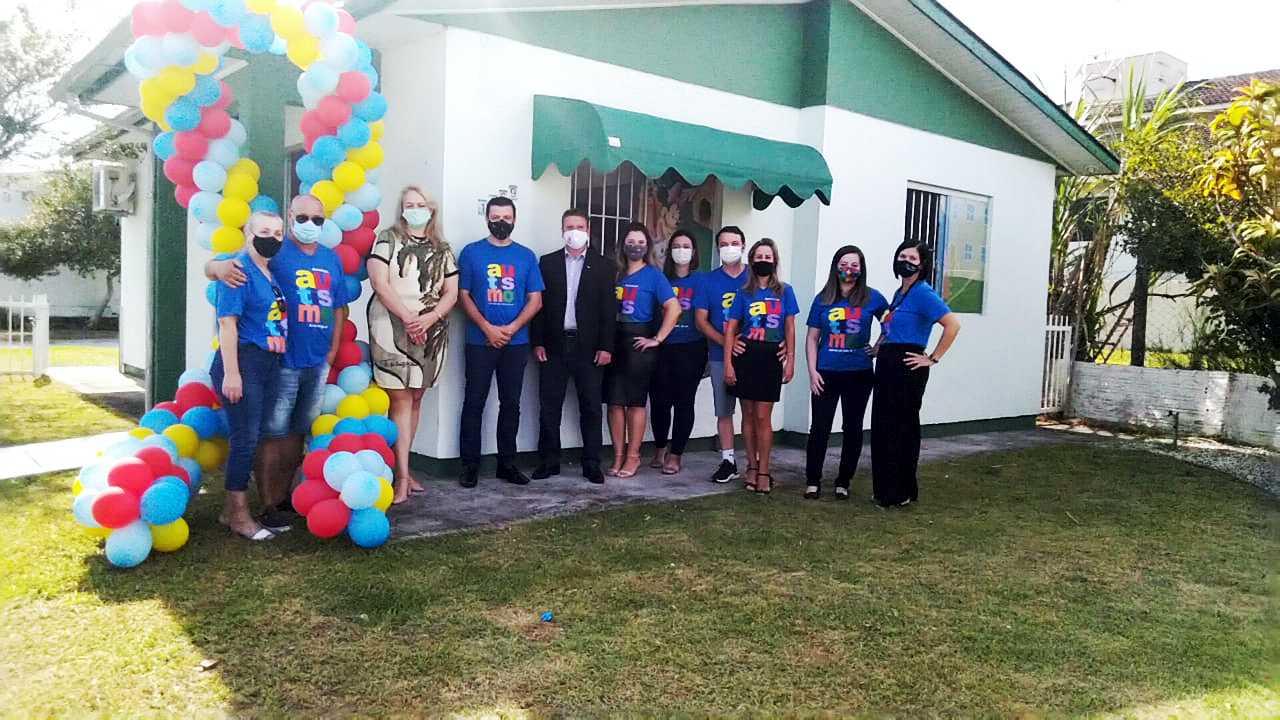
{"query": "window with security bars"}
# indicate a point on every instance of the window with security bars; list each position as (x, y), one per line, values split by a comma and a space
(956, 227)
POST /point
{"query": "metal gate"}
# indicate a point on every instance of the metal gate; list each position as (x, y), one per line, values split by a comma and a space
(24, 343)
(1059, 350)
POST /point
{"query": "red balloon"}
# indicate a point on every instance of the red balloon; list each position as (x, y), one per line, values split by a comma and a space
(348, 355)
(169, 405)
(349, 257)
(133, 475)
(361, 240)
(191, 145)
(333, 375)
(226, 98)
(347, 442)
(353, 86)
(207, 32)
(157, 459)
(184, 193)
(115, 508)
(308, 494)
(214, 123)
(326, 519)
(313, 465)
(371, 220)
(178, 170)
(195, 394)
(333, 110)
(348, 331)
(176, 17)
(181, 473)
(378, 444)
(147, 19)
(346, 22)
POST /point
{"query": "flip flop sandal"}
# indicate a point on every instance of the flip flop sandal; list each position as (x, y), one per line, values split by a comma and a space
(259, 536)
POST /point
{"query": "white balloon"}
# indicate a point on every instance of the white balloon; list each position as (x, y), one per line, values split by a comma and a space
(330, 234)
(224, 152)
(367, 197)
(310, 96)
(204, 234)
(237, 134)
(321, 19)
(340, 51)
(180, 48)
(322, 77)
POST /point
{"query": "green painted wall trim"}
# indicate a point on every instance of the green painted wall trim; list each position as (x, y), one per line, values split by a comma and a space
(262, 90)
(166, 348)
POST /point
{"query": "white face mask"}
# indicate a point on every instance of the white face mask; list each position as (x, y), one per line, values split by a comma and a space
(682, 255)
(417, 217)
(576, 239)
(730, 254)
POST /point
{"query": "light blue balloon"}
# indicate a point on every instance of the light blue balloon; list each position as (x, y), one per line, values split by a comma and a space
(198, 5)
(369, 528)
(353, 286)
(180, 48)
(94, 475)
(371, 108)
(224, 152)
(134, 65)
(206, 92)
(340, 51)
(354, 379)
(355, 133)
(204, 421)
(164, 502)
(183, 115)
(347, 217)
(330, 234)
(321, 19)
(328, 152)
(195, 473)
(305, 189)
(337, 467)
(204, 206)
(208, 360)
(204, 234)
(128, 546)
(278, 46)
(371, 462)
(157, 419)
(350, 426)
(256, 33)
(320, 77)
(228, 13)
(236, 133)
(364, 54)
(362, 273)
(332, 396)
(82, 508)
(196, 375)
(209, 176)
(360, 490)
(383, 426)
(163, 442)
(372, 73)
(321, 442)
(125, 448)
(367, 197)
(373, 176)
(309, 170)
(149, 53)
(264, 203)
(310, 96)
(163, 145)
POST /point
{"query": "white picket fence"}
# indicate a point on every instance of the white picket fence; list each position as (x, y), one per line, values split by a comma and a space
(1059, 350)
(24, 344)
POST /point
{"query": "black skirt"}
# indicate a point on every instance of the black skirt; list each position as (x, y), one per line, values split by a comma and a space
(627, 377)
(759, 372)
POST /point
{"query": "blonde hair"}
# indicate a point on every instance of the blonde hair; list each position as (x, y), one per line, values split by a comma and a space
(260, 215)
(435, 231)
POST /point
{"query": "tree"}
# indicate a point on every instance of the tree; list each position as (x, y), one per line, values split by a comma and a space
(63, 231)
(30, 60)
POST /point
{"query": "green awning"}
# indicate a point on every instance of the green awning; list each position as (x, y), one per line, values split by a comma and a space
(567, 131)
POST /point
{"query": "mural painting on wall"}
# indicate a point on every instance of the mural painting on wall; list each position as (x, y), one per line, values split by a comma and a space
(672, 204)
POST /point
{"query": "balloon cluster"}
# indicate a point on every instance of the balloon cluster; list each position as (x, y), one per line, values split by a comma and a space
(176, 55)
(352, 404)
(347, 487)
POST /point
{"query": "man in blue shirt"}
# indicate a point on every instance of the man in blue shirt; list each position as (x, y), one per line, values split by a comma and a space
(501, 291)
(311, 279)
(714, 298)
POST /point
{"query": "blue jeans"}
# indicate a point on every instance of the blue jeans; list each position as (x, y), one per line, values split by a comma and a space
(298, 402)
(483, 362)
(259, 374)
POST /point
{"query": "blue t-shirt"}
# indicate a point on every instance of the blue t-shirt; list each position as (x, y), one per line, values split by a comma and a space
(910, 319)
(258, 307)
(845, 331)
(762, 313)
(641, 293)
(715, 294)
(686, 289)
(499, 280)
(314, 289)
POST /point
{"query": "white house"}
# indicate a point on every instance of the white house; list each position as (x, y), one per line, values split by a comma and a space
(871, 120)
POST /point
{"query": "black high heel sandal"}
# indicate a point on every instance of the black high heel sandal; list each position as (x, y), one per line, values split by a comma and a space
(767, 488)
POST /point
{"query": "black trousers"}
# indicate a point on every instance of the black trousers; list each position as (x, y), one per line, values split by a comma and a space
(579, 363)
(851, 389)
(895, 425)
(674, 390)
(483, 362)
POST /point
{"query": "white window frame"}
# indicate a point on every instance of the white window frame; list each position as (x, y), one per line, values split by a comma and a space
(939, 255)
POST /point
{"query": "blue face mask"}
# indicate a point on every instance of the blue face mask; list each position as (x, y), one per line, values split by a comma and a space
(306, 232)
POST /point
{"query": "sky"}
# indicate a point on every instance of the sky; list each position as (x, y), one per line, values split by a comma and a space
(1045, 39)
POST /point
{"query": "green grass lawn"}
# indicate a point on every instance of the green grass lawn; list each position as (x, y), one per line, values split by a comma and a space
(32, 411)
(964, 295)
(1066, 581)
(63, 356)
(1155, 359)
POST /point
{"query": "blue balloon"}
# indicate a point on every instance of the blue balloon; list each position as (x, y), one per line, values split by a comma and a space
(207, 90)
(211, 293)
(384, 426)
(204, 206)
(208, 360)
(338, 467)
(183, 115)
(204, 421)
(367, 197)
(372, 73)
(225, 419)
(348, 217)
(194, 473)
(371, 462)
(328, 152)
(364, 55)
(163, 145)
(355, 133)
(362, 273)
(360, 490)
(332, 396)
(224, 152)
(157, 419)
(371, 108)
(354, 379)
(228, 13)
(128, 546)
(82, 508)
(321, 442)
(162, 441)
(369, 527)
(354, 290)
(196, 375)
(256, 34)
(265, 203)
(209, 175)
(310, 171)
(350, 426)
(164, 502)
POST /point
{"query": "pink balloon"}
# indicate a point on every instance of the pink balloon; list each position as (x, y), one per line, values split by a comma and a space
(226, 98)
(183, 193)
(333, 111)
(207, 32)
(191, 145)
(346, 23)
(147, 19)
(214, 123)
(354, 86)
(313, 126)
(178, 170)
(234, 37)
(176, 17)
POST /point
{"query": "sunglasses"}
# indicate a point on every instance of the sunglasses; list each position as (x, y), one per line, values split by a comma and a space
(317, 220)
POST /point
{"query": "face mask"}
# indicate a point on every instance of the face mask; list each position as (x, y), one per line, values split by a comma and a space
(576, 239)
(501, 229)
(902, 268)
(306, 233)
(848, 275)
(730, 254)
(417, 217)
(266, 245)
(682, 256)
(762, 268)
(635, 252)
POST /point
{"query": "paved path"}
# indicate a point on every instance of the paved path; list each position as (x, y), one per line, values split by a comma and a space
(447, 507)
(94, 380)
(36, 458)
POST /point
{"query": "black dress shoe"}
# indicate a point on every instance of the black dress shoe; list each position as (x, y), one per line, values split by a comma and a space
(545, 471)
(512, 474)
(593, 475)
(469, 477)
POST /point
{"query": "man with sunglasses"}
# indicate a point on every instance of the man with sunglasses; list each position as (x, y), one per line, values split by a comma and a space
(315, 292)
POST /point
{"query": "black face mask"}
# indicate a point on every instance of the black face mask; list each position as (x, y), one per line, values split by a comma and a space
(763, 268)
(266, 245)
(501, 229)
(902, 268)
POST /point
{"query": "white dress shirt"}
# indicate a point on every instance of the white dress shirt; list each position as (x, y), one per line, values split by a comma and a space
(573, 265)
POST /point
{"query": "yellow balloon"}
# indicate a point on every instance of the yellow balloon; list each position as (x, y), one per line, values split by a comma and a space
(328, 193)
(233, 212)
(368, 157)
(323, 425)
(97, 533)
(185, 437)
(378, 400)
(261, 7)
(246, 166)
(209, 455)
(153, 94)
(287, 22)
(227, 240)
(176, 80)
(77, 487)
(141, 433)
(170, 537)
(377, 129)
(303, 50)
(241, 186)
(385, 495)
(353, 406)
(214, 342)
(348, 176)
(206, 63)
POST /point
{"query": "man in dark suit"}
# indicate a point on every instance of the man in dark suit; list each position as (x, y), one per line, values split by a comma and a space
(572, 336)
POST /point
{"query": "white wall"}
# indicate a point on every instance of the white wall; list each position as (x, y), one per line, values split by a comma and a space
(135, 270)
(69, 294)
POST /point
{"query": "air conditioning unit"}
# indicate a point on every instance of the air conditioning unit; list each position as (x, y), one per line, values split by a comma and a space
(114, 188)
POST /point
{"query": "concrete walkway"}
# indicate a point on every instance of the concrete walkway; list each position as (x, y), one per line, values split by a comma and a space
(447, 507)
(54, 456)
(94, 380)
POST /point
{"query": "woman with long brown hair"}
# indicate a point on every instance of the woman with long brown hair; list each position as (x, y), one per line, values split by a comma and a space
(415, 284)
(682, 360)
